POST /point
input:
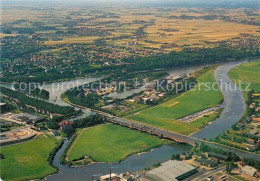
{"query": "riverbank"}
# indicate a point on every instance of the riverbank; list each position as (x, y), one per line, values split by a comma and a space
(165, 115)
(244, 135)
(134, 162)
(233, 104)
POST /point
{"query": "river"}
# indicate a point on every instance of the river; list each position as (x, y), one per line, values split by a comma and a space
(233, 104)
(132, 163)
(176, 72)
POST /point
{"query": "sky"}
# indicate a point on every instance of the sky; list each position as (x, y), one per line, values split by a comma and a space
(177, 3)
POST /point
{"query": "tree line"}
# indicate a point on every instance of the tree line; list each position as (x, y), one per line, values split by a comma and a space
(39, 104)
(185, 57)
(34, 91)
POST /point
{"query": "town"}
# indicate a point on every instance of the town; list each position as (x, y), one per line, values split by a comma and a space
(124, 91)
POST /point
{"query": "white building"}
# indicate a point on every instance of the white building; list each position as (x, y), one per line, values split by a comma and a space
(248, 170)
(171, 170)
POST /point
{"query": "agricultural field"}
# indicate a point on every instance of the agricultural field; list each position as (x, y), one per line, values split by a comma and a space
(165, 115)
(180, 26)
(194, 31)
(110, 143)
(247, 73)
(73, 40)
(112, 36)
(27, 160)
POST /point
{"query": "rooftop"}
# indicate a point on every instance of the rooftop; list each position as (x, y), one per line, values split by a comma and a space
(249, 170)
(218, 155)
(170, 170)
(206, 162)
(2, 103)
(63, 123)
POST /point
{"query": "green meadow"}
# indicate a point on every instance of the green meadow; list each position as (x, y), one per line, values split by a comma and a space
(247, 73)
(176, 126)
(165, 115)
(27, 161)
(111, 143)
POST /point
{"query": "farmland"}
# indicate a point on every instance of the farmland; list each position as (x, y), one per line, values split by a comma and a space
(27, 160)
(72, 40)
(110, 143)
(165, 114)
(106, 63)
(114, 37)
(194, 31)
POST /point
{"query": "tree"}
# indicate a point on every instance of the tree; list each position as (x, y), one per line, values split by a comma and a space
(39, 104)
(196, 144)
(68, 129)
(228, 168)
(52, 124)
(178, 157)
(204, 147)
(1, 156)
(173, 157)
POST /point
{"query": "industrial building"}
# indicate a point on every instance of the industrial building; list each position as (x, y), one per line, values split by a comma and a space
(171, 170)
(22, 118)
(248, 170)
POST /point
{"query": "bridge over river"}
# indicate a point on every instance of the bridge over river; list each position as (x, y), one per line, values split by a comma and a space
(138, 162)
(233, 104)
(171, 135)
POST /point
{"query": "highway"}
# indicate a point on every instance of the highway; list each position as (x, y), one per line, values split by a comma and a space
(208, 173)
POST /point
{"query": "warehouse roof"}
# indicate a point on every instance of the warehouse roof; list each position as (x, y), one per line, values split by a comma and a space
(218, 155)
(170, 170)
(249, 170)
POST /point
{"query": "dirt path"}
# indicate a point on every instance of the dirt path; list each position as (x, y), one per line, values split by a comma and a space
(74, 142)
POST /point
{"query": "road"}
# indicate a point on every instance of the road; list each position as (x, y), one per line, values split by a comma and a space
(208, 173)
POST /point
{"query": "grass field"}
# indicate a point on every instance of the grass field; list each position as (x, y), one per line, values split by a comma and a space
(164, 115)
(27, 160)
(176, 126)
(248, 73)
(110, 143)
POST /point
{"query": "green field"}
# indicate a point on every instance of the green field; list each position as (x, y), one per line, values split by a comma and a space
(111, 143)
(176, 126)
(27, 160)
(247, 72)
(164, 115)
